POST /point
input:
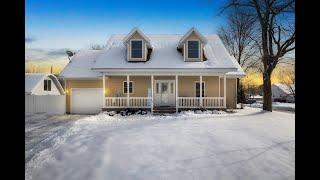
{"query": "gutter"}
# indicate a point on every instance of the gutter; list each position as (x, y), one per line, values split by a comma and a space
(212, 70)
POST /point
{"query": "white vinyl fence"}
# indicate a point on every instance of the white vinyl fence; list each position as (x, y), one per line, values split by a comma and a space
(51, 104)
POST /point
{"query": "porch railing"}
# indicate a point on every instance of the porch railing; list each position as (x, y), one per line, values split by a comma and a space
(145, 102)
(121, 102)
(212, 102)
(194, 102)
(189, 102)
(116, 102)
(140, 102)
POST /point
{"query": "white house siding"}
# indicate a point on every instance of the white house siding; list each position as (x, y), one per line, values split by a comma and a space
(39, 90)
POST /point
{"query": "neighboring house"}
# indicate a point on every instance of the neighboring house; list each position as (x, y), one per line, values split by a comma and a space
(42, 84)
(44, 94)
(258, 97)
(281, 92)
(151, 71)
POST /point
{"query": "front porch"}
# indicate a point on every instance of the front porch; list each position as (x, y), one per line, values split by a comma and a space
(178, 91)
(148, 92)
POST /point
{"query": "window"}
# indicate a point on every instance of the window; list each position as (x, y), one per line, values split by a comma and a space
(193, 49)
(164, 87)
(125, 90)
(171, 88)
(157, 88)
(136, 49)
(47, 85)
(198, 89)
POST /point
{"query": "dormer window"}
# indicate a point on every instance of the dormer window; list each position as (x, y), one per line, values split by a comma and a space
(136, 49)
(191, 45)
(138, 46)
(193, 48)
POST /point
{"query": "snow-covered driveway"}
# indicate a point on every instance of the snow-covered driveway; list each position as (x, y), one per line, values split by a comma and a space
(249, 144)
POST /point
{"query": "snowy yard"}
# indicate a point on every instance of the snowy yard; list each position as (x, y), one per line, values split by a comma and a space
(280, 106)
(247, 144)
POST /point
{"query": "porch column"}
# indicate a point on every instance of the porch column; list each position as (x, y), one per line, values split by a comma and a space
(177, 95)
(200, 90)
(128, 94)
(104, 90)
(219, 86)
(151, 93)
(224, 91)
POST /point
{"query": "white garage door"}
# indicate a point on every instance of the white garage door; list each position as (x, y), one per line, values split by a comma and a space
(86, 100)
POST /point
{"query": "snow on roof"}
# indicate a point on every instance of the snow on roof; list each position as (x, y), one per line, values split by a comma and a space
(81, 64)
(164, 55)
(86, 64)
(239, 72)
(284, 87)
(33, 79)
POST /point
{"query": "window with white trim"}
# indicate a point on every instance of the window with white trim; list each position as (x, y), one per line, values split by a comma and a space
(197, 84)
(136, 49)
(193, 49)
(47, 85)
(125, 87)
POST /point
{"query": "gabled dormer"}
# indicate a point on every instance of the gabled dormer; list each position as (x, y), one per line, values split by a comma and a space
(138, 46)
(191, 45)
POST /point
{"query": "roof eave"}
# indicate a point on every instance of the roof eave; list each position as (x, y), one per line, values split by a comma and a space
(185, 70)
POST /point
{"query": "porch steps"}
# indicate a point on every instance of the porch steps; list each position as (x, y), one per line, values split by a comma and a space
(164, 110)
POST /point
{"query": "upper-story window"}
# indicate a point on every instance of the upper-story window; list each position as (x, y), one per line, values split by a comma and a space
(193, 49)
(136, 49)
(47, 85)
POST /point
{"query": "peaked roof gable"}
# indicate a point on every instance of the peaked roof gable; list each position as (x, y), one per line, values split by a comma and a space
(192, 30)
(132, 32)
(33, 80)
(285, 88)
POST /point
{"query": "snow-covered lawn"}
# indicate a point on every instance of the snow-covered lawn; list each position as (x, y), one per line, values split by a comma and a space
(247, 144)
(275, 106)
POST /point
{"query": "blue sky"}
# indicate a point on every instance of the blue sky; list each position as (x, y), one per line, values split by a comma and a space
(76, 24)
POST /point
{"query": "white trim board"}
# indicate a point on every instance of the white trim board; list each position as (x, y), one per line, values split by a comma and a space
(165, 70)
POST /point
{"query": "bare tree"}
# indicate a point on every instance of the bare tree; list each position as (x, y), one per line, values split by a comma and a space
(275, 36)
(288, 79)
(97, 47)
(237, 38)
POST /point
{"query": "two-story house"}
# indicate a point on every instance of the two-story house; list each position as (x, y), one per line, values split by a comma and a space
(148, 71)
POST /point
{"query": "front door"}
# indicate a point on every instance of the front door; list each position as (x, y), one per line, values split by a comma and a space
(164, 93)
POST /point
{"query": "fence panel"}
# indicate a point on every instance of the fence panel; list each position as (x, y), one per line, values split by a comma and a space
(51, 104)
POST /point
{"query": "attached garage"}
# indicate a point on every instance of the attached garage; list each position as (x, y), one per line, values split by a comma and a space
(86, 100)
